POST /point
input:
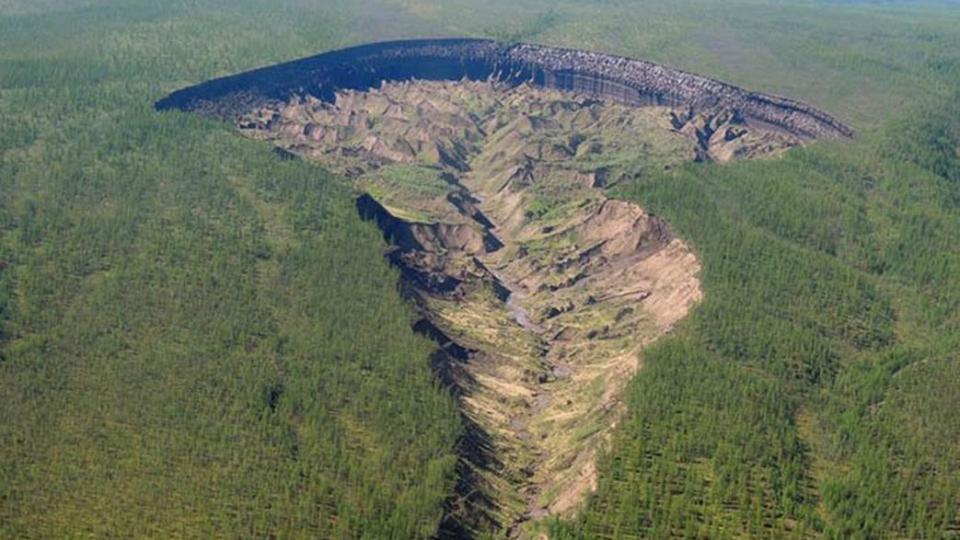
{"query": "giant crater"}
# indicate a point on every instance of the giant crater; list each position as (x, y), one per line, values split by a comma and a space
(487, 168)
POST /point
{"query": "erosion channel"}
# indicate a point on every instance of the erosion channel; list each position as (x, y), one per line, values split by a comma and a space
(540, 291)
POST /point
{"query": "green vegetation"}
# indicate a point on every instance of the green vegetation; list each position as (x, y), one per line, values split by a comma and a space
(419, 186)
(418, 180)
(198, 339)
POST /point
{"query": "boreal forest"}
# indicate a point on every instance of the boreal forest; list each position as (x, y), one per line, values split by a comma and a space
(202, 337)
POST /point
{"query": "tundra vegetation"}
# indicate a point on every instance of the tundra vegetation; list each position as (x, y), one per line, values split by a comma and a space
(200, 339)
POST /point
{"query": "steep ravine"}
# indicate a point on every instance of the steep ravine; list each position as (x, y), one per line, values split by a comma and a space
(540, 291)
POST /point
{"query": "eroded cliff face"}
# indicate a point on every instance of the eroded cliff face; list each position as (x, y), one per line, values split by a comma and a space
(540, 291)
(613, 78)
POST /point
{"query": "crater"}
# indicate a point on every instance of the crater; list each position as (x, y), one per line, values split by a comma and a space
(486, 167)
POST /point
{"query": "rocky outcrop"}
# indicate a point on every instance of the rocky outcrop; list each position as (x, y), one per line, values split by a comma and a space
(624, 80)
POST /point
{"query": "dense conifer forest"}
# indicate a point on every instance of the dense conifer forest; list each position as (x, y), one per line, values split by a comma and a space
(200, 339)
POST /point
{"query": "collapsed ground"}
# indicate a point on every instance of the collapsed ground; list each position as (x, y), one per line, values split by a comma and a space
(541, 292)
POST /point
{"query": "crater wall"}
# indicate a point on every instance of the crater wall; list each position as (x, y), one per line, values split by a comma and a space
(604, 76)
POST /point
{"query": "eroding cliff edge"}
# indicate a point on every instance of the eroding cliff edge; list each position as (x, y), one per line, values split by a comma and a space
(625, 80)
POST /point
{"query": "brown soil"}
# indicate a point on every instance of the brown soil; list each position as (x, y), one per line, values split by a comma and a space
(541, 291)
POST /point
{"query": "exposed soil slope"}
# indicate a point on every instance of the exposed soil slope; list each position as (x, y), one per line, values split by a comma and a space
(540, 289)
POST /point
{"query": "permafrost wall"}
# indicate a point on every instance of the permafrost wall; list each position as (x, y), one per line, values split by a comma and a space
(624, 80)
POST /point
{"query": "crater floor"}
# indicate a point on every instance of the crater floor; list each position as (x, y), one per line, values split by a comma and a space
(541, 291)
